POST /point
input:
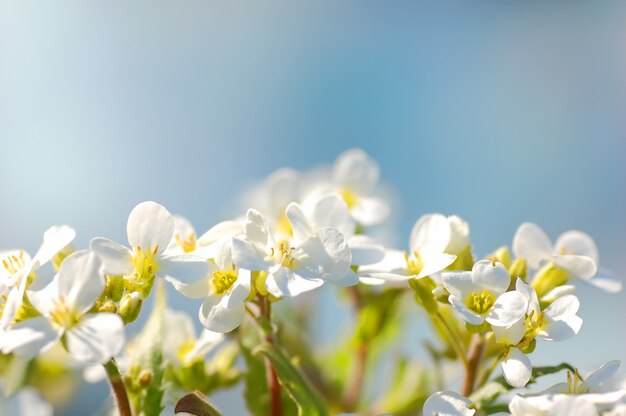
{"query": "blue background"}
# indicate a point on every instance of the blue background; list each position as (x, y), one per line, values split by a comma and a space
(500, 112)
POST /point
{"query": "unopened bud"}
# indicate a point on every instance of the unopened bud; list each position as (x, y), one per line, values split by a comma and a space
(424, 296)
(130, 306)
(502, 255)
(528, 347)
(464, 260)
(519, 268)
(115, 288)
(144, 379)
(548, 278)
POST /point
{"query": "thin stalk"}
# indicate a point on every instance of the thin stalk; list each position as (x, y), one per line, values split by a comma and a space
(460, 349)
(273, 385)
(473, 360)
(118, 388)
(485, 376)
(362, 353)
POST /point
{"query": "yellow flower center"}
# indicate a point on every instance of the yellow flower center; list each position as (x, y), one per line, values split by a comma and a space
(223, 280)
(145, 263)
(184, 349)
(480, 302)
(188, 244)
(414, 263)
(63, 315)
(283, 254)
(533, 324)
(349, 196)
(14, 263)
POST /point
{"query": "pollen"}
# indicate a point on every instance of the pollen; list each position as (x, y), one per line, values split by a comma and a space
(349, 196)
(145, 262)
(480, 302)
(283, 255)
(63, 315)
(188, 244)
(14, 263)
(414, 263)
(223, 280)
(533, 323)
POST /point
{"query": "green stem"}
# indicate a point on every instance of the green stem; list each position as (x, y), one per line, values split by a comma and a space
(460, 350)
(273, 385)
(118, 388)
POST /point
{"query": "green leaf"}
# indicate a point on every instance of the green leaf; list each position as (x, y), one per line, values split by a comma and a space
(150, 357)
(197, 405)
(306, 399)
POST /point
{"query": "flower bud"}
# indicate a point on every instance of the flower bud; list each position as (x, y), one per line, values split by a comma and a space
(144, 379)
(115, 288)
(519, 268)
(464, 260)
(548, 278)
(108, 306)
(527, 347)
(424, 296)
(502, 255)
(130, 306)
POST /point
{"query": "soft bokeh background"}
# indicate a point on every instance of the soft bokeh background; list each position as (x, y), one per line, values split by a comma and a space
(499, 112)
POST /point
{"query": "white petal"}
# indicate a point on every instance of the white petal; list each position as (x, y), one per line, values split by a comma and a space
(30, 337)
(224, 229)
(521, 406)
(256, 228)
(182, 230)
(530, 295)
(350, 279)
(284, 282)
(300, 226)
(394, 261)
(332, 211)
(464, 311)
(325, 256)
(508, 309)
(247, 256)
(510, 335)
(197, 290)
(562, 329)
(185, 268)
(494, 278)
(216, 316)
(459, 284)
(371, 281)
(516, 368)
(577, 242)
(55, 239)
(595, 380)
(567, 405)
(355, 170)
(178, 330)
(577, 266)
(431, 232)
(435, 263)
(43, 293)
(532, 243)
(365, 250)
(149, 225)
(205, 343)
(459, 235)
(563, 307)
(447, 403)
(606, 280)
(370, 211)
(116, 258)
(558, 292)
(97, 338)
(81, 280)
(241, 288)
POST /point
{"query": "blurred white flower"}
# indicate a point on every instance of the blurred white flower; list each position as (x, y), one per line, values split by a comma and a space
(185, 240)
(26, 402)
(447, 403)
(180, 344)
(64, 305)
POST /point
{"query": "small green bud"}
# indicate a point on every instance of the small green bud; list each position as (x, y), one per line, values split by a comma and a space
(519, 268)
(144, 379)
(424, 297)
(108, 306)
(115, 288)
(130, 306)
(549, 277)
(502, 255)
(464, 260)
(527, 347)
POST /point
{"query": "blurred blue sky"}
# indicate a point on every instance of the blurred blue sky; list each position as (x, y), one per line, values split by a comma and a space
(499, 112)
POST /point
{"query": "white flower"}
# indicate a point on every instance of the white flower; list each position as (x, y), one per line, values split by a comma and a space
(430, 238)
(224, 289)
(180, 345)
(185, 240)
(26, 402)
(150, 229)
(355, 176)
(64, 305)
(17, 266)
(295, 266)
(332, 211)
(572, 397)
(447, 403)
(480, 295)
(574, 251)
(557, 322)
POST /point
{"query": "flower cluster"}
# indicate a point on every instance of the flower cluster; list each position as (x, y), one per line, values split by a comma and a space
(300, 231)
